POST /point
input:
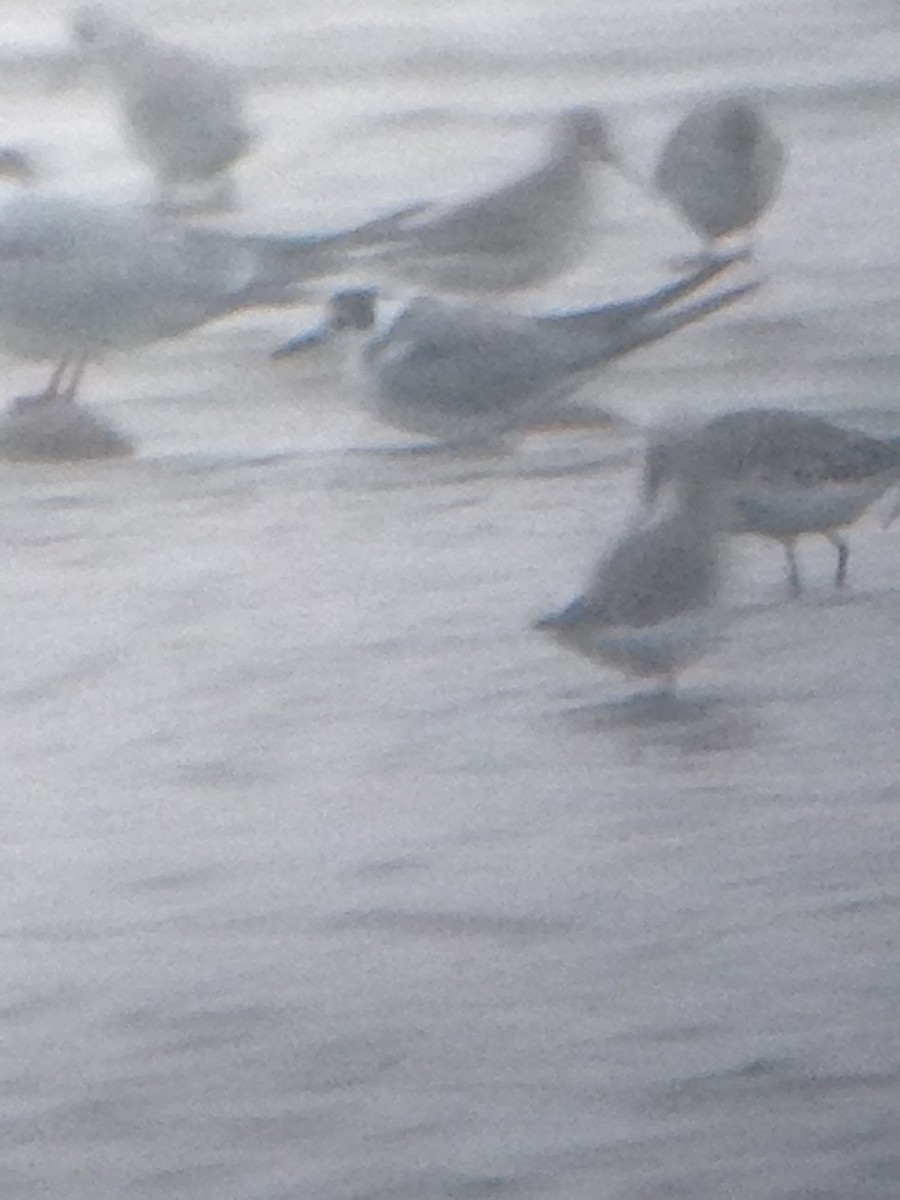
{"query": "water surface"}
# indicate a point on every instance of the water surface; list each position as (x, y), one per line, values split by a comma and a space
(326, 876)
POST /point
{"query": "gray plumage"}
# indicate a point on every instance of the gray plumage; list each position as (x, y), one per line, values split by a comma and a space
(721, 167)
(785, 474)
(647, 608)
(521, 233)
(79, 279)
(183, 114)
(468, 376)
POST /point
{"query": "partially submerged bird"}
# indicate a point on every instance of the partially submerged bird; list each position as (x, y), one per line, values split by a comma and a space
(721, 167)
(182, 112)
(649, 606)
(783, 474)
(469, 376)
(523, 232)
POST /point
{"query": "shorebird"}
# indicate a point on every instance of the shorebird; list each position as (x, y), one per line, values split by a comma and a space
(183, 113)
(720, 167)
(78, 279)
(467, 376)
(527, 230)
(784, 474)
(649, 607)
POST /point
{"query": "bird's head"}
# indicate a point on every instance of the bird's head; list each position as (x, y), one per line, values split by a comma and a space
(585, 132)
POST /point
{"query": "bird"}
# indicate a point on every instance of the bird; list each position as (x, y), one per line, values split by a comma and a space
(786, 474)
(78, 278)
(350, 312)
(333, 348)
(649, 607)
(527, 230)
(183, 113)
(468, 376)
(16, 166)
(721, 167)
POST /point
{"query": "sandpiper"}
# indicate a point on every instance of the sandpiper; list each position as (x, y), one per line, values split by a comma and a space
(784, 474)
(721, 167)
(649, 607)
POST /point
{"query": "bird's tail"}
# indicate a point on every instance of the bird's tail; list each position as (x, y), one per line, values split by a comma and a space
(609, 318)
(643, 333)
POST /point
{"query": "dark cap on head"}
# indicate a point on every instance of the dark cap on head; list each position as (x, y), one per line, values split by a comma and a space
(585, 131)
(353, 308)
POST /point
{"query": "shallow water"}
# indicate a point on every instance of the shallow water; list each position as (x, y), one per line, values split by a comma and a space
(326, 876)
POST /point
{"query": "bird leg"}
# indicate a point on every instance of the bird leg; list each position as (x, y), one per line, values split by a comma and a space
(793, 574)
(77, 372)
(840, 577)
(52, 389)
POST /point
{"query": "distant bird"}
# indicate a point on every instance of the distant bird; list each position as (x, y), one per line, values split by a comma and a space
(16, 165)
(721, 167)
(183, 113)
(648, 608)
(528, 230)
(784, 474)
(468, 377)
(79, 279)
(54, 427)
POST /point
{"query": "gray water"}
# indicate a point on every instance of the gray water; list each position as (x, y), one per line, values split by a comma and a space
(325, 876)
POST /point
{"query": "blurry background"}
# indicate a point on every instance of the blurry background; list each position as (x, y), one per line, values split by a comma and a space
(324, 875)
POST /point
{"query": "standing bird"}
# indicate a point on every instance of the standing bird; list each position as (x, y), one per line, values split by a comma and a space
(183, 113)
(79, 279)
(783, 474)
(720, 168)
(528, 230)
(468, 376)
(648, 608)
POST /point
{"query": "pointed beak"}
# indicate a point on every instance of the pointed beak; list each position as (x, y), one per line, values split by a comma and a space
(318, 336)
(565, 618)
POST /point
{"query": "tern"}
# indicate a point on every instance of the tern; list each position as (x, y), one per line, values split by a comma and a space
(468, 376)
